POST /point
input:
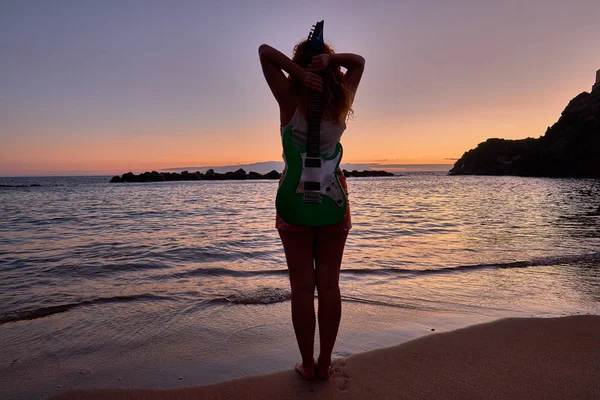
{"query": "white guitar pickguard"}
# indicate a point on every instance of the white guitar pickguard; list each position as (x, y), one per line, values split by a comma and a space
(326, 175)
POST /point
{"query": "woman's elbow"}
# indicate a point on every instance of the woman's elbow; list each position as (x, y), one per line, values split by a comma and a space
(262, 48)
(361, 60)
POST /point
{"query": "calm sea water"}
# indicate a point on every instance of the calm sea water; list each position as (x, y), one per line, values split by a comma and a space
(96, 279)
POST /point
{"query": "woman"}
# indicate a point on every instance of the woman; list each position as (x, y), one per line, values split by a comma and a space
(314, 255)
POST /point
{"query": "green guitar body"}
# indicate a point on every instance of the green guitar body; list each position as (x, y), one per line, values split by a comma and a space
(291, 203)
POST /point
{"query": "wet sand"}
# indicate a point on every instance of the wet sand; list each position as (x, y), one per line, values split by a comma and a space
(510, 358)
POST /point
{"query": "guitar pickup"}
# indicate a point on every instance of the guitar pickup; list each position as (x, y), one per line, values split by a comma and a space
(312, 162)
(312, 187)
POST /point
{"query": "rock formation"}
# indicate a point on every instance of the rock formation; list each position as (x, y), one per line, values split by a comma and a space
(569, 148)
(211, 175)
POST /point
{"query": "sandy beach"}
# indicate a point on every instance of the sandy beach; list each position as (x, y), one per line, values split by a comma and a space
(517, 358)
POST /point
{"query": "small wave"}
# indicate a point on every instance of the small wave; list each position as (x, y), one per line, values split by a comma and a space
(265, 295)
(226, 272)
(99, 269)
(212, 254)
(28, 314)
(352, 299)
(20, 186)
(543, 261)
(216, 271)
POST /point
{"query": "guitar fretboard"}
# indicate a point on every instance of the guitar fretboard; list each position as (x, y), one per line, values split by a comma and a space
(315, 114)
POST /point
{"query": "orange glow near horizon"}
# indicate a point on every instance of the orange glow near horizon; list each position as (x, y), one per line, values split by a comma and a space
(438, 81)
(417, 139)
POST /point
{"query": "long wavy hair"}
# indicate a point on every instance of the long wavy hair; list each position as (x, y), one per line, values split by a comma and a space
(336, 95)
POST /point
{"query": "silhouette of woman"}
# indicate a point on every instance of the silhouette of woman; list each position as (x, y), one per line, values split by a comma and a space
(314, 255)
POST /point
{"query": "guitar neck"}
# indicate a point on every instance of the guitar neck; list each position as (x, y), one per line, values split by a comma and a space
(315, 114)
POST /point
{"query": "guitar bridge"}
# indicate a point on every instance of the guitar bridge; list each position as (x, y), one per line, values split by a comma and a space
(313, 197)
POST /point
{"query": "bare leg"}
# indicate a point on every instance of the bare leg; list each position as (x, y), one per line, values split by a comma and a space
(328, 259)
(298, 248)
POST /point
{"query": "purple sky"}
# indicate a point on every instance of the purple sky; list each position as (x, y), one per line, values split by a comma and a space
(104, 86)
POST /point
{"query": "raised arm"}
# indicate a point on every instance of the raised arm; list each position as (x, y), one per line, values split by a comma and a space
(354, 64)
(273, 62)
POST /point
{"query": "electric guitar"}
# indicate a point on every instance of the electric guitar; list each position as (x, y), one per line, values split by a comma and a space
(310, 193)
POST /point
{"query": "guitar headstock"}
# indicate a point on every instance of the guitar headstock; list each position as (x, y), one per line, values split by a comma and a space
(315, 39)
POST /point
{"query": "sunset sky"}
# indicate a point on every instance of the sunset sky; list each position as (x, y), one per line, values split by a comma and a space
(104, 87)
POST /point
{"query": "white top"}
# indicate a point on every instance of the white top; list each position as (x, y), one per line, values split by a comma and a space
(330, 133)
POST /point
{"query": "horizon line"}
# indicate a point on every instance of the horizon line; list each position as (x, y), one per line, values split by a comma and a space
(206, 167)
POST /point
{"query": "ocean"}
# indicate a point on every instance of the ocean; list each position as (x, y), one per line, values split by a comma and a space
(184, 283)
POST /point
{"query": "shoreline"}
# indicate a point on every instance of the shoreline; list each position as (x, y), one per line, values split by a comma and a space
(507, 358)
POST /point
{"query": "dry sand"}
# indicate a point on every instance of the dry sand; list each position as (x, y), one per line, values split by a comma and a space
(508, 359)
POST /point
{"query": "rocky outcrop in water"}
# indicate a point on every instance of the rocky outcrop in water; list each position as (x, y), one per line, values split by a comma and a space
(569, 148)
(366, 173)
(211, 175)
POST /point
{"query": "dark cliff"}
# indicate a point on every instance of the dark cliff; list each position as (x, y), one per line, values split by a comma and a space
(569, 148)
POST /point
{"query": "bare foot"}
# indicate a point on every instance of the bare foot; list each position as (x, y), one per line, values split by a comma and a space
(307, 373)
(324, 371)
